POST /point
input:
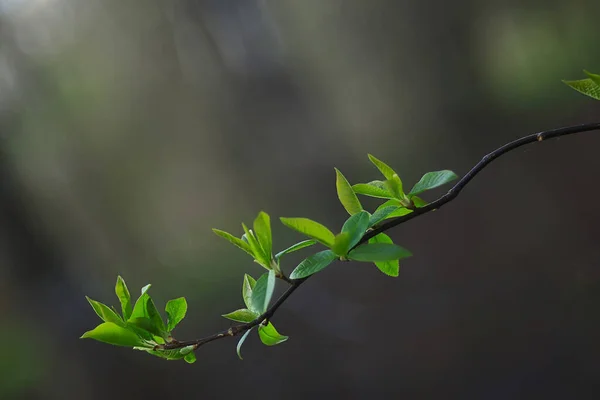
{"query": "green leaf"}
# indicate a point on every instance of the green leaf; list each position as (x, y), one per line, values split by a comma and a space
(262, 228)
(262, 292)
(269, 335)
(593, 77)
(382, 167)
(147, 325)
(394, 186)
(190, 358)
(114, 334)
(311, 229)
(346, 194)
(237, 242)
(418, 202)
(295, 247)
(389, 203)
(586, 86)
(342, 243)
(241, 342)
(378, 252)
(356, 226)
(105, 313)
(259, 253)
(392, 267)
(432, 180)
(313, 264)
(400, 212)
(145, 308)
(176, 310)
(373, 189)
(242, 315)
(247, 287)
(381, 214)
(186, 350)
(124, 297)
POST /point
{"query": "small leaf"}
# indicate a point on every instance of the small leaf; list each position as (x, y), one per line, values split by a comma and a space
(586, 86)
(382, 167)
(241, 342)
(374, 189)
(346, 194)
(242, 315)
(295, 247)
(400, 212)
(269, 335)
(105, 313)
(237, 242)
(593, 77)
(394, 185)
(381, 214)
(259, 253)
(313, 264)
(144, 308)
(124, 297)
(392, 267)
(247, 287)
(356, 226)
(418, 202)
(262, 228)
(378, 252)
(176, 310)
(114, 334)
(342, 243)
(190, 358)
(262, 292)
(186, 350)
(311, 229)
(432, 180)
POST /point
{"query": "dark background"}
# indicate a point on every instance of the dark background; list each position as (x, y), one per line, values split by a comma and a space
(128, 129)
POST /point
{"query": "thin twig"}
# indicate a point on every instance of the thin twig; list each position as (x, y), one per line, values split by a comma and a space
(451, 195)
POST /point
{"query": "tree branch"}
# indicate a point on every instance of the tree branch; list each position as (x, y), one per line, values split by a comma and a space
(451, 195)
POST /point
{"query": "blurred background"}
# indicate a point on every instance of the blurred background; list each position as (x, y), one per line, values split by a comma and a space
(129, 129)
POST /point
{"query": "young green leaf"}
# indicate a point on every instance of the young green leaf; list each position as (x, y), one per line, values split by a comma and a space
(105, 313)
(190, 358)
(432, 180)
(389, 203)
(124, 297)
(241, 342)
(382, 167)
(356, 226)
(145, 308)
(186, 350)
(346, 194)
(392, 267)
(374, 189)
(242, 315)
(313, 264)
(394, 186)
(247, 287)
(378, 252)
(114, 334)
(269, 335)
(259, 253)
(400, 212)
(176, 310)
(237, 242)
(146, 325)
(295, 247)
(342, 243)
(262, 292)
(262, 228)
(311, 229)
(381, 214)
(418, 202)
(586, 86)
